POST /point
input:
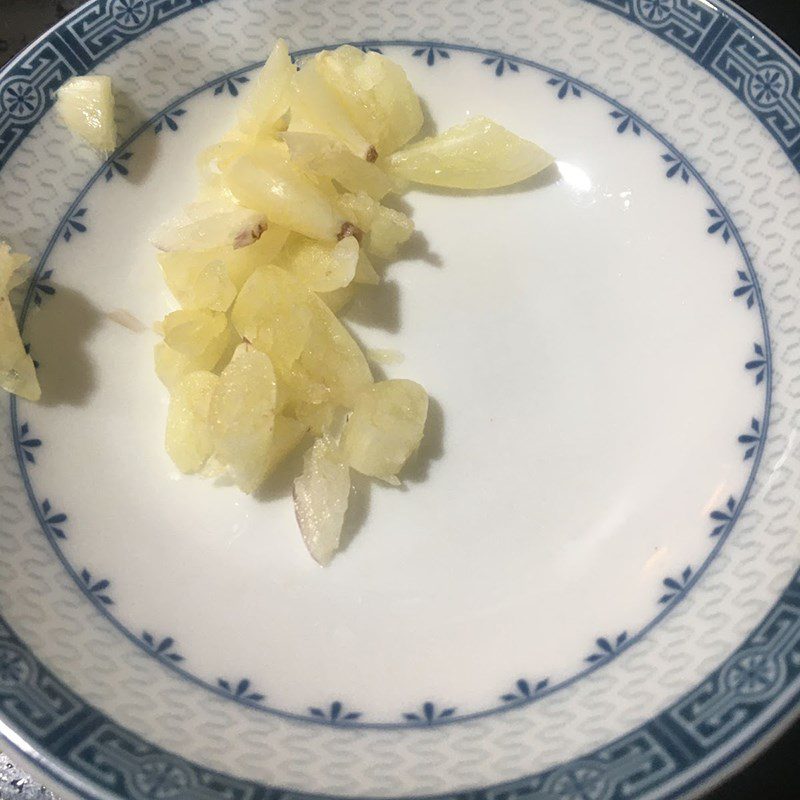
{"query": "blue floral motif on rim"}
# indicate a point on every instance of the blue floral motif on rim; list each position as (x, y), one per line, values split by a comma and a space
(430, 54)
(241, 691)
(745, 288)
(21, 99)
(28, 443)
(758, 365)
(768, 86)
(751, 439)
(161, 779)
(168, 119)
(723, 516)
(676, 587)
(656, 11)
(719, 224)
(13, 669)
(428, 714)
(500, 65)
(565, 87)
(162, 648)
(118, 165)
(75, 224)
(624, 120)
(753, 673)
(582, 781)
(232, 85)
(42, 287)
(524, 690)
(53, 520)
(97, 589)
(677, 167)
(335, 713)
(607, 648)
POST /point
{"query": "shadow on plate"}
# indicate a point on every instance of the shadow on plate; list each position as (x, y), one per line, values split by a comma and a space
(429, 127)
(144, 149)
(418, 248)
(430, 449)
(279, 485)
(60, 332)
(375, 307)
(357, 508)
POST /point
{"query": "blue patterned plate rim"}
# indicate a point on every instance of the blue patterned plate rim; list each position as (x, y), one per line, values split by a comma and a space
(676, 762)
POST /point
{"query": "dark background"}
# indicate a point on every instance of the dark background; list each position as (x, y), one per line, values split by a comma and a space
(776, 774)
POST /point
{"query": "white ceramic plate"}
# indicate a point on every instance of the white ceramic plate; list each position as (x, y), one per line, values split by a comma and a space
(588, 587)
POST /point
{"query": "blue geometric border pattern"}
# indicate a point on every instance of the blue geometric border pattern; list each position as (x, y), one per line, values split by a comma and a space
(748, 63)
(108, 755)
(28, 87)
(519, 690)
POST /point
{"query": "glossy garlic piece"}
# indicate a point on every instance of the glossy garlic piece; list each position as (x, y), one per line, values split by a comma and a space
(188, 438)
(326, 156)
(269, 96)
(317, 107)
(376, 93)
(314, 354)
(386, 228)
(333, 359)
(192, 332)
(321, 496)
(321, 266)
(171, 365)
(242, 416)
(266, 181)
(389, 229)
(479, 154)
(86, 105)
(17, 370)
(197, 280)
(209, 224)
(212, 278)
(385, 428)
(273, 312)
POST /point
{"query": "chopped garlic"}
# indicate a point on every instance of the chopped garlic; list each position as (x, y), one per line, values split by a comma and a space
(86, 104)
